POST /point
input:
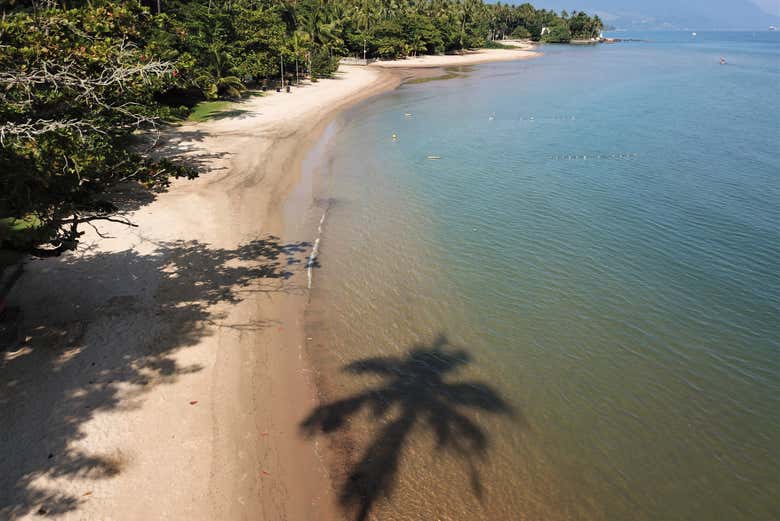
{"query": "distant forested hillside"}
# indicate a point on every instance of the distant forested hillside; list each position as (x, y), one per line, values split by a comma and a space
(674, 14)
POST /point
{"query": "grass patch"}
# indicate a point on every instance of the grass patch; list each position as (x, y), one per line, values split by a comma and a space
(206, 110)
(14, 225)
(493, 44)
(19, 233)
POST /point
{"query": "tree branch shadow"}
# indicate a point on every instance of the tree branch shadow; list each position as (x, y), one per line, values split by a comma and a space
(185, 147)
(229, 114)
(97, 331)
(415, 394)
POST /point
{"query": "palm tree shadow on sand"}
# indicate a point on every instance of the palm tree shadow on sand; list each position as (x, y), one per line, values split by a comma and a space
(415, 385)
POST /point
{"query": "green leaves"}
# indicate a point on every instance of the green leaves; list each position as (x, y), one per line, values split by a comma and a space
(558, 33)
(77, 83)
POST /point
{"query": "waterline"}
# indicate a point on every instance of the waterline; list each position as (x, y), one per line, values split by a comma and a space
(626, 309)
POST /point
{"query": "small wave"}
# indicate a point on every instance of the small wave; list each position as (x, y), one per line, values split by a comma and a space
(319, 227)
(315, 250)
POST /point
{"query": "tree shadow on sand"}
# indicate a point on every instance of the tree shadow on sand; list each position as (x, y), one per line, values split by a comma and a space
(97, 332)
(416, 389)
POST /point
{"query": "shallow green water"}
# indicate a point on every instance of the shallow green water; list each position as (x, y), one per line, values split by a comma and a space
(578, 304)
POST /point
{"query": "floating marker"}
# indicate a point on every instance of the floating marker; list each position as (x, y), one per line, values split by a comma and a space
(591, 157)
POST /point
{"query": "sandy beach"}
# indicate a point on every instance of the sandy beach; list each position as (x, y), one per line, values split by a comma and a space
(160, 372)
(520, 51)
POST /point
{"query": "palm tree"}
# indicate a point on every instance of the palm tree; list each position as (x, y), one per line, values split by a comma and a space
(300, 40)
(415, 385)
(363, 18)
(220, 82)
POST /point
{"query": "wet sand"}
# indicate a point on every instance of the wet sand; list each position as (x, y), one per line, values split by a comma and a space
(519, 51)
(160, 372)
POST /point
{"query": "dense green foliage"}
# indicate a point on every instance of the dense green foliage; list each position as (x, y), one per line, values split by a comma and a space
(78, 79)
(75, 84)
(524, 21)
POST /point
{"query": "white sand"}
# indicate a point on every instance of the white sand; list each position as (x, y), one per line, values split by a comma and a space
(521, 52)
(122, 335)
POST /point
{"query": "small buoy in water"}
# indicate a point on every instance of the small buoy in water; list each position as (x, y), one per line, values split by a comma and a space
(395, 136)
(434, 157)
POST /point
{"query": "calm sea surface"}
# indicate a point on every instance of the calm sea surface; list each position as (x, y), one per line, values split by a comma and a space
(574, 313)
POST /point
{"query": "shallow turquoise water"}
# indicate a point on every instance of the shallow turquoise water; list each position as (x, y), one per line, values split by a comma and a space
(602, 236)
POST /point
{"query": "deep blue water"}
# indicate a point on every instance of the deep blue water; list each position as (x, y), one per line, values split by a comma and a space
(602, 234)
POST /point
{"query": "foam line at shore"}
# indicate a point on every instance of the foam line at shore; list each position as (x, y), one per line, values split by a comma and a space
(315, 250)
(247, 162)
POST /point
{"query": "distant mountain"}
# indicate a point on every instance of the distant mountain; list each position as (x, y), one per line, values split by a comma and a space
(674, 14)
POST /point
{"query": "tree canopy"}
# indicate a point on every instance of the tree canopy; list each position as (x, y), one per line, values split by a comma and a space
(79, 78)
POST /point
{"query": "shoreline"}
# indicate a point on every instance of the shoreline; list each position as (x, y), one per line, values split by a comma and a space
(519, 51)
(178, 346)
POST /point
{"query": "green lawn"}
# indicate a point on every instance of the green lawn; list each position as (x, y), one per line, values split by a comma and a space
(206, 110)
(494, 44)
(18, 233)
(14, 225)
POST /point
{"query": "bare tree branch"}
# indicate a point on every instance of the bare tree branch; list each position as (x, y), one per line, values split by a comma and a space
(31, 129)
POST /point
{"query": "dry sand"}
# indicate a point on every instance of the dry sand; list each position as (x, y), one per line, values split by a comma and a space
(521, 51)
(160, 372)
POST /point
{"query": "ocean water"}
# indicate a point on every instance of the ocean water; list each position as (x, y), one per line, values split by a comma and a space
(573, 313)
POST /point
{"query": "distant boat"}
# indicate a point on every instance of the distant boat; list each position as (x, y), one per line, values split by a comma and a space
(693, 34)
(772, 28)
(434, 157)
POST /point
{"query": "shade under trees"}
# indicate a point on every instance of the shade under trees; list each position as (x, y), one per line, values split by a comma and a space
(78, 79)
